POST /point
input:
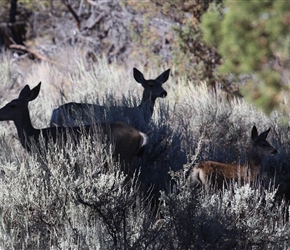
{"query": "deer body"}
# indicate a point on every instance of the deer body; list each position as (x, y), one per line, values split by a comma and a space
(127, 140)
(222, 173)
(72, 114)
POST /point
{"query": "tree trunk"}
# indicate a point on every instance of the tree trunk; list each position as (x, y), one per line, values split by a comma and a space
(13, 11)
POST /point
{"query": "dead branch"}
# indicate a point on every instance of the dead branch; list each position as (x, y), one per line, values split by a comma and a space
(32, 52)
(71, 10)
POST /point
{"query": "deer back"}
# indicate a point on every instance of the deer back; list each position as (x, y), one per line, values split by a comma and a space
(217, 173)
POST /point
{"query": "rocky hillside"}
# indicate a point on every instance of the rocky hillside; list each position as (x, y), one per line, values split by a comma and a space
(103, 28)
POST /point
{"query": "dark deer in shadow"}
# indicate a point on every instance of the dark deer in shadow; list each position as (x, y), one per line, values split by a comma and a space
(73, 114)
(127, 141)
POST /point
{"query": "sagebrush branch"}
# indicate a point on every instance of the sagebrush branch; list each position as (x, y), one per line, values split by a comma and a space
(71, 10)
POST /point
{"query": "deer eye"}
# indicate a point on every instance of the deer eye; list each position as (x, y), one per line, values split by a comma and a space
(264, 144)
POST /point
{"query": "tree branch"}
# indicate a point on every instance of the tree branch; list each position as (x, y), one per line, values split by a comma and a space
(32, 52)
(71, 10)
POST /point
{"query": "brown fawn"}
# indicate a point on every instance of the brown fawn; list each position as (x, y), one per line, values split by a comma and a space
(222, 173)
(128, 142)
(72, 114)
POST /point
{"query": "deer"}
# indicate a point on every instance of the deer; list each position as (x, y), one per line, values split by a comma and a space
(72, 113)
(220, 174)
(127, 141)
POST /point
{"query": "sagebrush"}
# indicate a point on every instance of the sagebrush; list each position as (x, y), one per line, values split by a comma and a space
(102, 209)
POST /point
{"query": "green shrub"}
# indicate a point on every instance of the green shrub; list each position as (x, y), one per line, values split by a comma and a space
(253, 38)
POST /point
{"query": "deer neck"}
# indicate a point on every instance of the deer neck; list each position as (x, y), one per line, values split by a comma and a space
(147, 107)
(255, 162)
(26, 132)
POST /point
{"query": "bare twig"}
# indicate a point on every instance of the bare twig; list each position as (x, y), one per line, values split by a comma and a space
(71, 10)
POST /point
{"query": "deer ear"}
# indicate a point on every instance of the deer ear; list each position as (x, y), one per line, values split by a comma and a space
(163, 77)
(138, 76)
(24, 92)
(254, 133)
(34, 92)
(264, 134)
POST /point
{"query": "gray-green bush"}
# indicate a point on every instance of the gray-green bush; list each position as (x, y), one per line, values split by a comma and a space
(44, 205)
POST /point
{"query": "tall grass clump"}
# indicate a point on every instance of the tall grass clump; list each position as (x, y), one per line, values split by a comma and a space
(68, 197)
